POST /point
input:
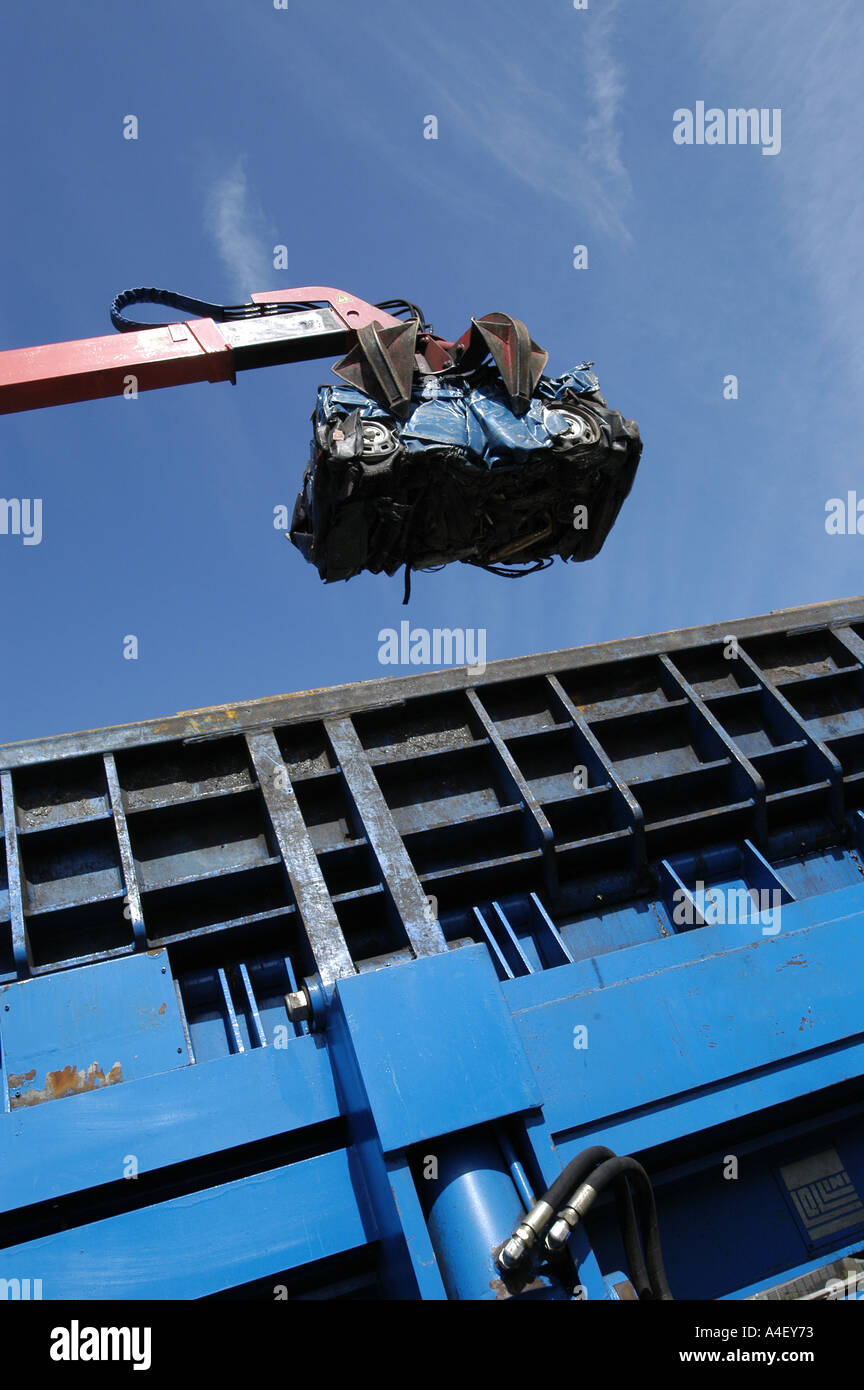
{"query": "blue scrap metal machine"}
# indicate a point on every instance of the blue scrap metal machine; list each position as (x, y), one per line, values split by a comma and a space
(319, 996)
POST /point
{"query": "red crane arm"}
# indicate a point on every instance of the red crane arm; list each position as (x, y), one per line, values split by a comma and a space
(382, 353)
(192, 350)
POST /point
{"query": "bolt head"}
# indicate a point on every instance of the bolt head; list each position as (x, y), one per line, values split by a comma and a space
(298, 1006)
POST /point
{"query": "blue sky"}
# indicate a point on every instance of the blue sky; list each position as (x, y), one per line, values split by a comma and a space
(304, 127)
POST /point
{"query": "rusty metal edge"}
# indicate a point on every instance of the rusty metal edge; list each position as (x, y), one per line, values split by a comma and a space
(335, 701)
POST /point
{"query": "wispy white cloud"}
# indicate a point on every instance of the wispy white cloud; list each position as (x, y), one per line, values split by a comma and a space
(807, 59)
(239, 231)
(606, 88)
(560, 137)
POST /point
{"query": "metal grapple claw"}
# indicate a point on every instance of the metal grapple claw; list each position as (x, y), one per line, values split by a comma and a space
(381, 364)
(518, 358)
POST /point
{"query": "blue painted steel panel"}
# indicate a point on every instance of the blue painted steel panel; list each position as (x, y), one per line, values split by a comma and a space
(661, 840)
(717, 1104)
(165, 1120)
(408, 1268)
(694, 1023)
(205, 1242)
(94, 1027)
(438, 1066)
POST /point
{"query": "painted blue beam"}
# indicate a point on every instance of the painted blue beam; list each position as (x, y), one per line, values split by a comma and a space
(99, 1025)
(206, 1242)
(81, 1142)
(436, 1047)
(713, 1020)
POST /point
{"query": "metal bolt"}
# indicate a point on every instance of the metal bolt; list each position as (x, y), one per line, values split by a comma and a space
(298, 1006)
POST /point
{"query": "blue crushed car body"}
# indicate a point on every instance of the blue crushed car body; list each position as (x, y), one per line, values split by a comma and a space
(462, 477)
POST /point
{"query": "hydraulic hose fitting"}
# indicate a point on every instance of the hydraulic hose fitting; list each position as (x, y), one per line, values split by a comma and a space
(525, 1237)
(569, 1217)
(559, 1233)
(517, 1248)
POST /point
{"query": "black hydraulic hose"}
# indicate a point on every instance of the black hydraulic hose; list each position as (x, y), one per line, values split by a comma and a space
(225, 313)
(571, 1177)
(574, 1191)
(633, 1254)
(529, 1231)
(222, 313)
(612, 1170)
(399, 306)
(574, 1175)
